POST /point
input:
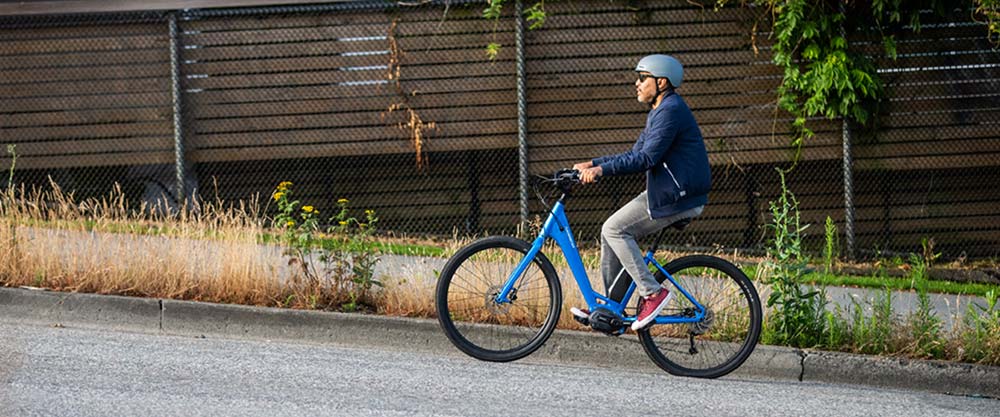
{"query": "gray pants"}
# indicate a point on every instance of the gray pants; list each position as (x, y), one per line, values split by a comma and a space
(620, 252)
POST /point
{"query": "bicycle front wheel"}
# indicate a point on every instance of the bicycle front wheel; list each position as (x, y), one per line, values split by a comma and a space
(475, 322)
(724, 338)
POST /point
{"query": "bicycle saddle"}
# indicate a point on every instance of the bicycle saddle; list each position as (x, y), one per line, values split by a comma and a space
(681, 224)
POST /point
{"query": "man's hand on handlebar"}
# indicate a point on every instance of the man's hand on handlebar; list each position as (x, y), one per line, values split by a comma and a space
(589, 175)
(583, 166)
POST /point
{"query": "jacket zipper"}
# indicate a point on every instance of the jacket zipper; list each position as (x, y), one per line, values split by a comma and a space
(682, 192)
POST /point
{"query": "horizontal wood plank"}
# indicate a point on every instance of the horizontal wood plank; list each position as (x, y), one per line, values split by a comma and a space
(85, 117)
(74, 88)
(47, 61)
(93, 45)
(96, 160)
(313, 150)
(84, 74)
(85, 102)
(109, 130)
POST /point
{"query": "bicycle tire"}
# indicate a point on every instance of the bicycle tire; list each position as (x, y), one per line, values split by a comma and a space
(721, 342)
(484, 329)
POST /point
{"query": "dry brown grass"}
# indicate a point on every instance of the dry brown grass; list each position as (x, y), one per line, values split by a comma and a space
(206, 252)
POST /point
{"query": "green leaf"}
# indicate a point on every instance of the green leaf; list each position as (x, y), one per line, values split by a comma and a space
(811, 51)
(535, 15)
(839, 43)
(809, 31)
(493, 10)
(889, 44)
(492, 50)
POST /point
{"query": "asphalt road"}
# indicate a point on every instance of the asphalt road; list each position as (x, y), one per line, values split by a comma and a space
(79, 372)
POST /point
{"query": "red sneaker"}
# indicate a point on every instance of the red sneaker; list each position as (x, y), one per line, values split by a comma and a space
(649, 308)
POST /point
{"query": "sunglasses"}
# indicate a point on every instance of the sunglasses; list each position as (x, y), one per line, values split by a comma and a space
(644, 77)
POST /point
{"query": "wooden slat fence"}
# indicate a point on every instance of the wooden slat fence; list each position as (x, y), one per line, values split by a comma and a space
(90, 95)
(312, 98)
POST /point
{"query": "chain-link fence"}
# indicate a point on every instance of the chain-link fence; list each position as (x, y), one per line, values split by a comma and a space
(399, 109)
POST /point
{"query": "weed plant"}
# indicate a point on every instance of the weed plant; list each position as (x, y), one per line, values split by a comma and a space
(337, 271)
(797, 315)
(831, 247)
(978, 337)
(924, 325)
(872, 334)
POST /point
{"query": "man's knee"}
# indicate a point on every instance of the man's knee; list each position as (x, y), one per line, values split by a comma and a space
(611, 230)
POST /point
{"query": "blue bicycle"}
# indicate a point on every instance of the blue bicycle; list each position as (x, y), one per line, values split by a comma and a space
(499, 299)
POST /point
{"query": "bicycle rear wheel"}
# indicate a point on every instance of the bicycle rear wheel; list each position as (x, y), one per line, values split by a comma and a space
(727, 335)
(479, 326)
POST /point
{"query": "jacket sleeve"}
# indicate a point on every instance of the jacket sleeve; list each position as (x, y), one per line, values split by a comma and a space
(659, 137)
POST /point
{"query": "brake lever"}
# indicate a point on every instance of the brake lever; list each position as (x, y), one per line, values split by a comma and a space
(567, 173)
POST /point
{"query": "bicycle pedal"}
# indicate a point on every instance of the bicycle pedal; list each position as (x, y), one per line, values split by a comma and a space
(580, 316)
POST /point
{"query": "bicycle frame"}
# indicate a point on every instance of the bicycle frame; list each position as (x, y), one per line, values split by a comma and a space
(556, 227)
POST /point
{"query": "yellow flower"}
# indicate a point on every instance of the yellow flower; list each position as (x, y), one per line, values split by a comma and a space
(342, 201)
(284, 185)
(343, 223)
(307, 209)
(291, 223)
(278, 195)
(362, 225)
(369, 212)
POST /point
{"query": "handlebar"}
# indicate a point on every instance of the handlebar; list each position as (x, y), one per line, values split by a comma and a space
(566, 177)
(563, 180)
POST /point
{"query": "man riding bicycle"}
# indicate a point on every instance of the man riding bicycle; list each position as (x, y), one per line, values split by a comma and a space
(671, 151)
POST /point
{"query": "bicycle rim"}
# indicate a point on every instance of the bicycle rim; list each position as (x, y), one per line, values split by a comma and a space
(722, 341)
(479, 326)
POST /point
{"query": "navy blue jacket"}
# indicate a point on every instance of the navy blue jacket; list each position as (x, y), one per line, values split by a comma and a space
(672, 153)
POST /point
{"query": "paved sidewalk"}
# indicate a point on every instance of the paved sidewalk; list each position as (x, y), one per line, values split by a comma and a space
(565, 347)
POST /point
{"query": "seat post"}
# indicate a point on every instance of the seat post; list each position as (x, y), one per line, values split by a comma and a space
(656, 243)
(679, 225)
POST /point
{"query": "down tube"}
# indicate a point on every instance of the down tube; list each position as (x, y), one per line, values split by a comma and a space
(558, 229)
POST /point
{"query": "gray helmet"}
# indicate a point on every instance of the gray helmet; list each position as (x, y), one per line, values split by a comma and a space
(662, 66)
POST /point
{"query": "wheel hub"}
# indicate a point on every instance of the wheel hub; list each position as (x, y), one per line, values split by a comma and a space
(491, 303)
(703, 326)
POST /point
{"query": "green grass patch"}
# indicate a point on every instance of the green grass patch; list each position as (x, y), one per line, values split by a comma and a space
(893, 283)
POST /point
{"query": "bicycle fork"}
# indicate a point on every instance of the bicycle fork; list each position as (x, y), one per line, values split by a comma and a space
(504, 296)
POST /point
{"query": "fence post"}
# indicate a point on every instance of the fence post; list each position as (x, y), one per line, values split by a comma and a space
(848, 177)
(848, 191)
(522, 113)
(175, 87)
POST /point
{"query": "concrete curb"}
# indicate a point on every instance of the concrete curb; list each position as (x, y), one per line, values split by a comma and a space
(565, 347)
(84, 310)
(935, 376)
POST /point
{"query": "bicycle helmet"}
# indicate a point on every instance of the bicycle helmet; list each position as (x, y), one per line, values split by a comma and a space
(662, 66)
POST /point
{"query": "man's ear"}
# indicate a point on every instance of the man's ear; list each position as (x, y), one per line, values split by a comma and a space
(665, 85)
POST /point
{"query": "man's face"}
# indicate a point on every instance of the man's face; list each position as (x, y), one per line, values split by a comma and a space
(645, 87)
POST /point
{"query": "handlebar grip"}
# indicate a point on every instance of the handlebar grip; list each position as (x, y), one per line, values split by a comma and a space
(567, 173)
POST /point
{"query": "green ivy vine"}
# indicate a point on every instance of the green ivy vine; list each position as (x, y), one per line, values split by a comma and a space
(824, 75)
(534, 15)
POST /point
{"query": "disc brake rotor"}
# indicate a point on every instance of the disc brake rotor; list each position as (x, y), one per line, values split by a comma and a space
(491, 304)
(704, 325)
